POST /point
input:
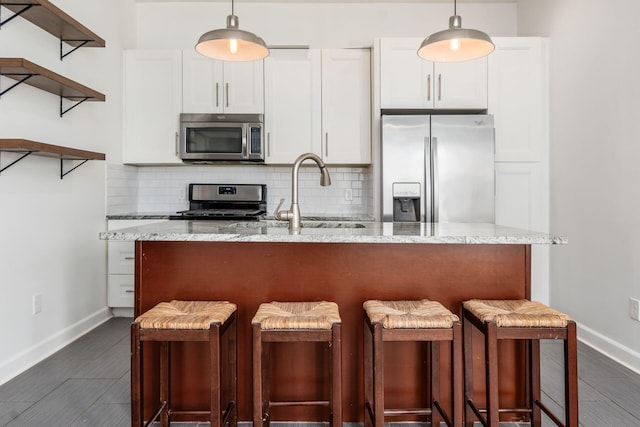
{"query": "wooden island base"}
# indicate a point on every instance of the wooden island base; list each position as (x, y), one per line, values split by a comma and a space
(249, 273)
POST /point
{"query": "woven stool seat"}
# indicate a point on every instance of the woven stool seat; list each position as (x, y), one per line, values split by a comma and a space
(186, 315)
(420, 314)
(517, 313)
(297, 315)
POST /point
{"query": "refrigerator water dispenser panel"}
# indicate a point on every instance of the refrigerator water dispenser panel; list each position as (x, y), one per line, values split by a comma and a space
(406, 201)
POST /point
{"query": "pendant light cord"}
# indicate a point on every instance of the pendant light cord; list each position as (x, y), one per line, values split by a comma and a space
(455, 9)
(232, 8)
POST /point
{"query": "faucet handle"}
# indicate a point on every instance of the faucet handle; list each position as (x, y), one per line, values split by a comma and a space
(282, 215)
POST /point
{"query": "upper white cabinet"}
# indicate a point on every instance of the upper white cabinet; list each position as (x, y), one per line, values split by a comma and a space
(407, 81)
(292, 91)
(346, 106)
(318, 101)
(212, 86)
(152, 104)
(518, 97)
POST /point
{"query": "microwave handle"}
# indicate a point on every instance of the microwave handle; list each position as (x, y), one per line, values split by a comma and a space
(245, 137)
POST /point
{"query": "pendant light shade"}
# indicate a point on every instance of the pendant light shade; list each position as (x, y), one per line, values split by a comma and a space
(232, 43)
(456, 43)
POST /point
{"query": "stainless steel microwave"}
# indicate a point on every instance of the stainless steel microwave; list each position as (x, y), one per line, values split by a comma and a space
(221, 137)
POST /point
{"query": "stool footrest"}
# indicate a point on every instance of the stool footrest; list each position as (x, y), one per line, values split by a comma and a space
(300, 403)
(406, 411)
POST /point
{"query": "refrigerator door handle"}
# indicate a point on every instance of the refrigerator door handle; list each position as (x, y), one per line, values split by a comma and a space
(434, 180)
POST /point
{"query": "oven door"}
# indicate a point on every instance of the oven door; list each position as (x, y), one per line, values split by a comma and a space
(213, 141)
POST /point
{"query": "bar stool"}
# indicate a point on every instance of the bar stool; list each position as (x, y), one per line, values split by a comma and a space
(179, 321)
(422, 320)
(295, 322)
(520, 320)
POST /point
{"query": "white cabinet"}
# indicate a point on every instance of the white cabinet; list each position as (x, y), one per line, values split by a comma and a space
(318, 101)
(521, 196)
(518, 98)
(293, 102)
(152, 104)
(407, 81)
(121, 269)
(212, 86)
(346, 106)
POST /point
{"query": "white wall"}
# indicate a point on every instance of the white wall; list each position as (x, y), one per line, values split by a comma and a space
(49, 227)
(595, 152)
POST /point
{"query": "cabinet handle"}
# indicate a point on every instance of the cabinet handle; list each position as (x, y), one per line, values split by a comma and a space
(129, 258)
(217, 97)
(268, 144)
(439, 87)
(177, 144)
(128, 291)
(429, 87)
(227, 87)
(326, 144)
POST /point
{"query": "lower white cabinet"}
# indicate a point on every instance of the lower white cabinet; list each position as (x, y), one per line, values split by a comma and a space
(121, 269)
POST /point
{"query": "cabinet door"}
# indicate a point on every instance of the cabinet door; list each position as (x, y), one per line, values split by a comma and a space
(202, 84)
(244, 87)
(346, 106)
(292, 104)
(518, 98)
(152, 104)
(212, 86)
(406, 80)
(461, 85)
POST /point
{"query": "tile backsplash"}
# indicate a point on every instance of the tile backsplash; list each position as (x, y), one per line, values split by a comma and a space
(163, 189)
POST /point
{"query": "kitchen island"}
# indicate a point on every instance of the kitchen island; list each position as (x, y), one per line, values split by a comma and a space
(347, 262)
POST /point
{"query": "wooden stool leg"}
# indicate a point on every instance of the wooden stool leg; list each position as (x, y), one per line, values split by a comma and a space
(571, 376)
(257, 377)
(164, 383)
(434, 373)
(368, 373)
(534, 374)
(214, 374)
(378, 376)
(233, 370)
(491, 350)
(136, 376)
(457, 382)
(336, 376)
(467, 332)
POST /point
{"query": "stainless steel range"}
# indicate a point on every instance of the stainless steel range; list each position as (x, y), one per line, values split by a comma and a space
(246, 202)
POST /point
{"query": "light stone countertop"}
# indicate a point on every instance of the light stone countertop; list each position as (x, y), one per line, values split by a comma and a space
(333, 232)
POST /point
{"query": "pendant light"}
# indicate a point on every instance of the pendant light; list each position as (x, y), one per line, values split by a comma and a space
(232, 43)
(456, 43)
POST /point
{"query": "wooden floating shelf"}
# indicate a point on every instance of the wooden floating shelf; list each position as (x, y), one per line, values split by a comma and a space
(54, 21)
(34, 75)
(27, 147)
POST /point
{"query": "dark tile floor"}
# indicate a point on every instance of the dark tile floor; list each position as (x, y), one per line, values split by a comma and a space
(87, 384)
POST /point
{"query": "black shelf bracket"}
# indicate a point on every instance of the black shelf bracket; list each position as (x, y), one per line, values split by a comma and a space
(24, 79)
(25, 154)
(82, 43)
(80, 98)
(27, 6)
(63, 173)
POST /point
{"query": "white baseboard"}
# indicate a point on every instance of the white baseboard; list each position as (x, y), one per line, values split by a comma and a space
(610, 348)
(40, 351)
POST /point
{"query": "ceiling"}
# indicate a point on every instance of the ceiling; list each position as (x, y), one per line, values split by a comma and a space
(331, 1)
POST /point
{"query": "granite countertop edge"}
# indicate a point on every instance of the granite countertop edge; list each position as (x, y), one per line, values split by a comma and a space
(369, 232)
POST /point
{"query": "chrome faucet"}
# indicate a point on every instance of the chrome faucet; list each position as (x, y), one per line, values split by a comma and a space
(293, 214)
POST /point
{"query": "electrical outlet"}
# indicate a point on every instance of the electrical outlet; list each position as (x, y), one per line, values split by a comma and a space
(634, 309)
(348, 194)
(37, 303)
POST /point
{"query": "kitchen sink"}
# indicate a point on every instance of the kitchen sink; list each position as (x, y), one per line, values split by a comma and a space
(305, 224)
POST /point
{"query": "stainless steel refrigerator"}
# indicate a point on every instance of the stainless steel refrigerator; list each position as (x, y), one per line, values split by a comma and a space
(438, 168)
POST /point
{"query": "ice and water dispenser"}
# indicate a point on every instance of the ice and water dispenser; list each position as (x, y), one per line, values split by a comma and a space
(406, 201)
